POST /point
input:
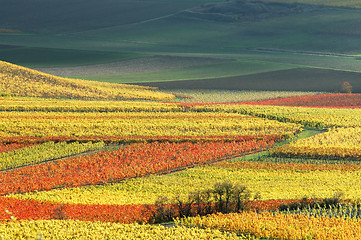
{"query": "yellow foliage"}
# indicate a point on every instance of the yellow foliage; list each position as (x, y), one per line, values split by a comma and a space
(311, 117)
(272, 184)
(44, 152)
(61, 105)
(336, 143)
(70, 229)
(342, 141)
(27, 82)
(38, 124)
(280, 226)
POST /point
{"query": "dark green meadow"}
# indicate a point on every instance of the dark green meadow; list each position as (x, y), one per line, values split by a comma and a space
(258, 51)
(299, 79)
(55, 57)
(68, 16)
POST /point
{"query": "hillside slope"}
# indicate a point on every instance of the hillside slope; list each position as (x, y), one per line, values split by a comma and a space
(27, 82)
(66, 16)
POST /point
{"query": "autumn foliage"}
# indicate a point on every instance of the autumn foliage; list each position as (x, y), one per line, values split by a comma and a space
(11, 146)
(31, 209)
(337, 100)
(336, 143)
(130, 161)
(27, 82)
(107, 161)
(36, 210)
(280, 226)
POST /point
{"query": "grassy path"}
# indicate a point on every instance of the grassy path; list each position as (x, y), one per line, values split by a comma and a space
(242, 157)
(307, 132)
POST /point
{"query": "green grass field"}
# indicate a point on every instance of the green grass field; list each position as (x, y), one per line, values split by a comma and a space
(321, 31)
(56, 17)
(49, 57)
(248, 63)
(299, 79)
(326, 30)
(227, 69)
(121, 30)
(338, 3)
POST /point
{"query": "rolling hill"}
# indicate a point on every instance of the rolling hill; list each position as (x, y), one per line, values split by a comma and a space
(244, 35)
(22, 81)
(299, 79)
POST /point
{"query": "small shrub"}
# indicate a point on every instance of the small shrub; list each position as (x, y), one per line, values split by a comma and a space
(224, 197)
(312, 203)
(346, 87)
(163, 212)
(59, 213)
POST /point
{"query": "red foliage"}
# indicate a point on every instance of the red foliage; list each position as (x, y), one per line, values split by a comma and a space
(31, 209)
(135, 160)
(271, 205)
(24, 209)
(339, 100)
(7, 147)
(36, 210)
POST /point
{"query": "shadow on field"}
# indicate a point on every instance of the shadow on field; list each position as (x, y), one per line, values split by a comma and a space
(299, 79)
